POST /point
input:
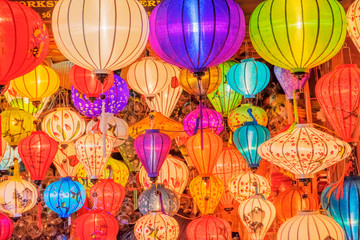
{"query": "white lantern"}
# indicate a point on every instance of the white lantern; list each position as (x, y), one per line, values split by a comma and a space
(353, 23)
(10, 154)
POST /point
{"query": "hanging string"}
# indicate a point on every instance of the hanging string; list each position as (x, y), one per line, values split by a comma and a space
(230, 142)
(252, 116)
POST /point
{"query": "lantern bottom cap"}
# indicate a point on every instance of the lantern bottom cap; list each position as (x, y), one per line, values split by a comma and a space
(16, 215)
(249, 95)
(304, 176)
(308, 212)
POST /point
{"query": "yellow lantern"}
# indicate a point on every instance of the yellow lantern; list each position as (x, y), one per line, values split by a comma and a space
(240, 115)
(66, 161)
(127, 151)
(63, 69)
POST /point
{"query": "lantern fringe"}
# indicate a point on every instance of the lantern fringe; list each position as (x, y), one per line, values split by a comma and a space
(340, 184)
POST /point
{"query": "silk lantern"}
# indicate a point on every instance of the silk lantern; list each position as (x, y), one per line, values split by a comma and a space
(6, 228)
(185, 48)
(63, 69)
(209, 227)
(352, 16)
(248, 77)
(3, 147)
(297, 39)
(10, 155)
(240, 115)
(66, 161)
(127, 152)
(338, 94)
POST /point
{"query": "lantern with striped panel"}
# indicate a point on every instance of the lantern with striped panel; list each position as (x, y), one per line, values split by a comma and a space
(63, 69)
(208, 227)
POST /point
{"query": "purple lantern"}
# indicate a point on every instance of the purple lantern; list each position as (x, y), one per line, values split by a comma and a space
(196, 34)
(288, 82)
(115, 100)
(211, 119)
(152, 149)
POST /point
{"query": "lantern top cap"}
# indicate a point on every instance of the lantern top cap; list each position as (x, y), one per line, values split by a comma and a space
(152, 130)
(346, 66)
(248, 60)
(38, 132)
(65, 179)
(246, 105)
(308, 213)
(304, 125)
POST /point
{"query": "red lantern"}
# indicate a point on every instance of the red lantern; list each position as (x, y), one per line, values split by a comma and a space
(6, 226)
(37, 152)
(107, 195)
(209, 227)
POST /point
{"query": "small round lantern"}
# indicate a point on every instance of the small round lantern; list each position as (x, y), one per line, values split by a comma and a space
(209, 227)
(66, 161)
(6, 227)
(239, 116)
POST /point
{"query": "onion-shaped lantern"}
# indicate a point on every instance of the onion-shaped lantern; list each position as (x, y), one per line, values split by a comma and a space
(66, 161)
(6, 227)
(239, 116)
(11, 154)
(352, 16)
(63, 69)
(209, 227)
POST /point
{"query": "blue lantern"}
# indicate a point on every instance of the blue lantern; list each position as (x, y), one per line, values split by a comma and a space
(65, 197)
(248, 77)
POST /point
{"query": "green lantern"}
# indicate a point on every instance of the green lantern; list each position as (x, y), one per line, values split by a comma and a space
(298, 35)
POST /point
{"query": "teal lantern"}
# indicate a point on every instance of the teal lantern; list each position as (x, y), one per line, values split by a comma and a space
(248, 77)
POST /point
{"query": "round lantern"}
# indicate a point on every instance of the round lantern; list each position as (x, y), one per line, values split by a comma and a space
(248, 77)
(204, 150)
(304, 150)
(190, 39)
(11, 154)
(244, 186)
(205, 118)
(107, 195)
(6, 227)
(206, 192)
(158, 198)
(257, 214)
(66, 161)
(63, 125)
(240, 115)
(156, 226)
(25, 40)
(64, 197)
(298, 39)
(352, 16)
(310, 225)
(339, 97)
(209, 227)
(63, 69)
(152, 149)
(247, 139)
(101, 36)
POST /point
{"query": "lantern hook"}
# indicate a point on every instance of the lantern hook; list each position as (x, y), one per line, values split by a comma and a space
(102, 77)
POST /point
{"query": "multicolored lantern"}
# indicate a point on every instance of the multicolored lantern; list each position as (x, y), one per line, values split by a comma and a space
(208, 227)
(66, 161)
(6, 227)
(240, 115)
(352, 16)
(63, 69)
(11, 154)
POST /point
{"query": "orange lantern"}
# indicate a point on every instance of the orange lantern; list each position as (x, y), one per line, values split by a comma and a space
(240, 115)
(66, 161)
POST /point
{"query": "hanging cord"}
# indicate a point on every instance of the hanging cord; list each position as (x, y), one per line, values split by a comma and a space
(252, 116)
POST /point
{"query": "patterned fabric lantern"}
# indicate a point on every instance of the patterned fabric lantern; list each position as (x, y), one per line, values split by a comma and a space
(156, 226)
(208, 227)
(338, 94)
(352, 16)
(301, 40)
(64, 196)
(310, 225)
(63, 69)
(66, 161)
(127, 151)
(158, 198)
(257, 214)
(240, 115)
(185, 48)
(152, 149)
(6, 227)
(206, 192)
(8, 158)
(107, 195)
(248, 77)
(304, 150)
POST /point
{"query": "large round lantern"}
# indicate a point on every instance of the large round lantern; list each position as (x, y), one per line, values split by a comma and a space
(64, 196)
(240, 115)
(63, 69)
(209, 227)
(297, 40)
(6, 227)
(352, 16)
(66, 161)
(248, 77)
(338, 94)
(11, 154)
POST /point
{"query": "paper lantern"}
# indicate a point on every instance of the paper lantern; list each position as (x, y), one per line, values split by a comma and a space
(352, 16)
(247, 139)
(257, 214)
(297, 40)
(6, 227)
(8, 158)
(158, 198)
(152, 148)
(100, 36)
(63, 69)
(205, 118)
(310, 225)
(206, 192)
(243, 186)
(115, 99)
(107, 195)
(64, 197)
(25, 40)
(190, 39)
(156, 226)
(229, 164)
(37, 84)
(240, 115)
(248, 77)
(66, 161)
(209, 227)
(304, 150)
(338, 94)
(224, 99)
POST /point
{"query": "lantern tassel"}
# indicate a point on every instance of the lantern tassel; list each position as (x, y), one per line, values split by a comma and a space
(39, 209)
(252, 116)
(201, 125)
(16, 170)
(161, 203)
(340, 183)
(103, 126)
(135, 199)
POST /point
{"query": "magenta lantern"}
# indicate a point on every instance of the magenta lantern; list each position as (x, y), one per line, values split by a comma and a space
(6, 227)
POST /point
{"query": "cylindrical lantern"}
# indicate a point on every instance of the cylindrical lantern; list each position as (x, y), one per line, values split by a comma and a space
(240, 115)
(11, 154)
(6, 227)
(209, 227)
(352, 16)
(66, 161)
(248, 77)
(63, 69)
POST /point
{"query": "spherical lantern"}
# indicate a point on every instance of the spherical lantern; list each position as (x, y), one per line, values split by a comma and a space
(8, 158)
(152, 149)
(248, 77)
(190, 39)
(310, 225)
(101, 36)
(352, 16)
(6, 227)
(205, 118)
(25, 40)
(63, 69)
(107, 195)
(304, 150)
(208, 227)
(339, 97)
(244, 186)
(247, 139)
(66, 161)
(158, 198)
(297, 40)
(240, 115)
(257, 214)
(64, 196)
(206, 192)
(156, 226)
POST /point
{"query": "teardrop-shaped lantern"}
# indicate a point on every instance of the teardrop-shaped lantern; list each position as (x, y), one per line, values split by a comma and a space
(239, 116)
(208, 227)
